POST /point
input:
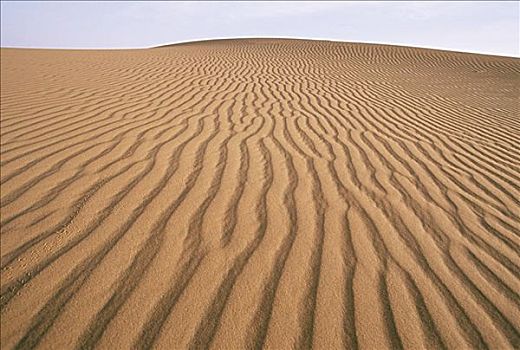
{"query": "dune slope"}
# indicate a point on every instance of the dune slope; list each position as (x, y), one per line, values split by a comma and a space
(260, 193)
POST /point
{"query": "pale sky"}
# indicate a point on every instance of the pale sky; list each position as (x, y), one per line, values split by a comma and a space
(484, 27)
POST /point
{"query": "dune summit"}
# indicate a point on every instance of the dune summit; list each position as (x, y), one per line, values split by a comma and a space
(240, 194)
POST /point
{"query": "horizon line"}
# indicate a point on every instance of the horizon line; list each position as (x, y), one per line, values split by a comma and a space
(190, 41)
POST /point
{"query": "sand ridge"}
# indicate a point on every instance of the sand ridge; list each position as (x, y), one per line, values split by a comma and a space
(259, 193)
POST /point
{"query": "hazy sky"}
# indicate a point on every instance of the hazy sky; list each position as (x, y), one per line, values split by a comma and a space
(485, 27)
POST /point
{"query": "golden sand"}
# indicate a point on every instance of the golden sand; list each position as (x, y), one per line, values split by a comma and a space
(240, 194)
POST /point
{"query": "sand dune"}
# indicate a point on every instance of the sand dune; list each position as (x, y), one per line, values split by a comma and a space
(240, 194)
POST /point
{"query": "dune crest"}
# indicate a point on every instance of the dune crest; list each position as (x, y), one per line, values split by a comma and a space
(255, 193)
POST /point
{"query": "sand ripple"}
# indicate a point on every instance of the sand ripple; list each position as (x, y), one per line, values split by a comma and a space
(260, 193)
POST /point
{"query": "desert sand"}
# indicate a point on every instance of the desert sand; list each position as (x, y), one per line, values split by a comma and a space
(266, 193)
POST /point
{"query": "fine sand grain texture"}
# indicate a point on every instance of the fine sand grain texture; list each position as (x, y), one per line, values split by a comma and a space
(246, 194)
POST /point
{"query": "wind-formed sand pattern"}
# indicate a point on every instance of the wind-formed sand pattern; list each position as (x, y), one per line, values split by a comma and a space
(246, 194)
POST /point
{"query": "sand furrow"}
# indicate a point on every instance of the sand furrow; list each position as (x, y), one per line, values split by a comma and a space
(259, 193)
